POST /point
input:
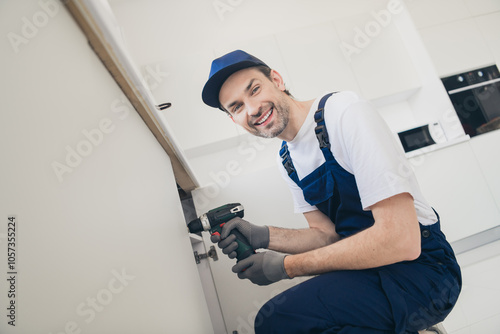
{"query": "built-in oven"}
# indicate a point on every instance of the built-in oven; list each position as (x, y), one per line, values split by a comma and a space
(476, 97)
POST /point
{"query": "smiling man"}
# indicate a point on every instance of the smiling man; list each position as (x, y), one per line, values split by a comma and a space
(383, 264)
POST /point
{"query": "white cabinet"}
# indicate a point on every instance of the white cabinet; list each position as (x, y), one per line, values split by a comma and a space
(427, 13)
(194, 124)
(456, 47)
(318, 65)
(364, 53)
(459, 35)
(486, 148)
(378, 56)
(101, 240)
(453, 183)
(489, 25)
(480, 7)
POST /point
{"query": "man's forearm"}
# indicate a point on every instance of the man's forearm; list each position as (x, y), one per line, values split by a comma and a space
(294, 241)
(367, 249)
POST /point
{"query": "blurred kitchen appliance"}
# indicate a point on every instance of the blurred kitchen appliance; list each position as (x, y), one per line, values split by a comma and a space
(421, 137)
(476, 97)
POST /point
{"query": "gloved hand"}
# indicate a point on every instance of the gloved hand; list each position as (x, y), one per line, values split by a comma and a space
(257, 236)
(262, 268)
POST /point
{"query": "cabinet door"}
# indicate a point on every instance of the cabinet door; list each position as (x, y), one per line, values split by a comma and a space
(377, 54)
(453, 183)
(319, 46)
(445, 46)
(485, 149)
(97, 242)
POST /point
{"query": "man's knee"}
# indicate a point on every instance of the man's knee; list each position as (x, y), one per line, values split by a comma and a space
(269, 314)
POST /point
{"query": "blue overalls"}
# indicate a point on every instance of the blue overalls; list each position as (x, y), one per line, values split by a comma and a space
(404, 297)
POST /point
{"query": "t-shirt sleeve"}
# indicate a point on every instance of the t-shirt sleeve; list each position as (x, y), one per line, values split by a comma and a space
(367, 148)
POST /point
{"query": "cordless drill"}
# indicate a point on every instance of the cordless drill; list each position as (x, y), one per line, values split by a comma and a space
(213, 221)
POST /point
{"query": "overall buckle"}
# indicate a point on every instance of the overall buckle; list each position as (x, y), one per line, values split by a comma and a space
(322, 136)
(287, 163)
(319, 115)
(288, 166)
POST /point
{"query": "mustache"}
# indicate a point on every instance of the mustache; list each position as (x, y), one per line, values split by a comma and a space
(264, 109)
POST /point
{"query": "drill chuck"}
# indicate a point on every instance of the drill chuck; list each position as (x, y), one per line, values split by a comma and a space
(195, 226)
(213, 221)
(200, 224)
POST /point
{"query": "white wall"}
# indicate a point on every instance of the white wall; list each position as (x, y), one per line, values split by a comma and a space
(103, 247)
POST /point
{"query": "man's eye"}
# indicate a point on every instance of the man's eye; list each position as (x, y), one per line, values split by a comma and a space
(256, 89)
(236, 108)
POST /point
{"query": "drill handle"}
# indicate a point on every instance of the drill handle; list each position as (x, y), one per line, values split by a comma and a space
(244, 249)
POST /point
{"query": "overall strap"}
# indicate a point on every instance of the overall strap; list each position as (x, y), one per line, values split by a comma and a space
(321, 134)
(286, 160)
(320, 129)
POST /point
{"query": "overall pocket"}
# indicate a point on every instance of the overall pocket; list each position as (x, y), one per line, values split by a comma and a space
(318, 186)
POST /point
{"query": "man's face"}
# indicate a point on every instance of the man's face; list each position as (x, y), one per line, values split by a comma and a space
(255, 102)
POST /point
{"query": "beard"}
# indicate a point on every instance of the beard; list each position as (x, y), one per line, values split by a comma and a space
(279, 122)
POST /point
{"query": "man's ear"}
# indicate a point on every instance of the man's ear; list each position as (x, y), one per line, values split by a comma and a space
(278, 80)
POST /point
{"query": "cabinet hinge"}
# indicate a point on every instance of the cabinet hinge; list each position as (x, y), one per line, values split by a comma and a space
(212, 253)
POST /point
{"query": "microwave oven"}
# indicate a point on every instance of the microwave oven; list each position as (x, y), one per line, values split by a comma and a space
(421, 137)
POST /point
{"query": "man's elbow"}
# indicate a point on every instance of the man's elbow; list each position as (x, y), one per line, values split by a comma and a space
(325, 237)
(413, 254)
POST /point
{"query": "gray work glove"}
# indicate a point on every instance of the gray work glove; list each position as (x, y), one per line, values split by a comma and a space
(257, 236)
(262, 268)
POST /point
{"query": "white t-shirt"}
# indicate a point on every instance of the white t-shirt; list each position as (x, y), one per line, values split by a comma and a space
(363, 145)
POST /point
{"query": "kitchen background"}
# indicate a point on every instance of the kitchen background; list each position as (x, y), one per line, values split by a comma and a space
(392, 53)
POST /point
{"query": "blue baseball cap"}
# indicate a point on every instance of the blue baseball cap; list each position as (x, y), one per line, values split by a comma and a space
(221, 69)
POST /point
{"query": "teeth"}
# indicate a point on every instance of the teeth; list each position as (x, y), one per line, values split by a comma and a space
(265, 117)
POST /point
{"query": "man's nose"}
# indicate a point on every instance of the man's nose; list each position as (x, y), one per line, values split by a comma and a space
(253, 108)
